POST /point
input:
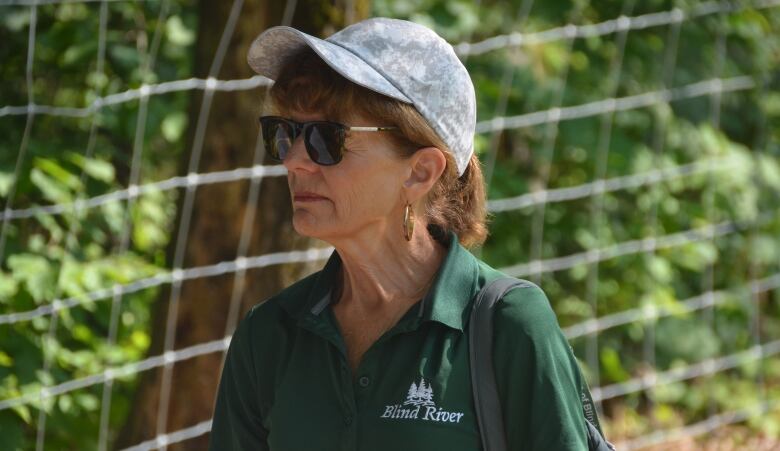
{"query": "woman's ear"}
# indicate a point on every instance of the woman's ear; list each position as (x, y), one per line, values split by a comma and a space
(427, 165)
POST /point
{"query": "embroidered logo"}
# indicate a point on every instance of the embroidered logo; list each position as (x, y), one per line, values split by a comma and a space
(419, 404)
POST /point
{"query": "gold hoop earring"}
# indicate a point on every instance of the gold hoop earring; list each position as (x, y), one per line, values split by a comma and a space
(408, 222)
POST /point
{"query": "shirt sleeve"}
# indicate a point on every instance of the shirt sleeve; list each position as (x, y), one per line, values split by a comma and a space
(537, 375)
(237, 422)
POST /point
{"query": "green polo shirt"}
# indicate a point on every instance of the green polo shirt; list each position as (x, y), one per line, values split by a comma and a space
(286, 384)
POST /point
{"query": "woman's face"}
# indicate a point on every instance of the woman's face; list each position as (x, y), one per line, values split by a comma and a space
(362, 193)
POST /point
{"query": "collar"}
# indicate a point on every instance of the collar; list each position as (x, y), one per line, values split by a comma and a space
(454, 286)
(453, 289)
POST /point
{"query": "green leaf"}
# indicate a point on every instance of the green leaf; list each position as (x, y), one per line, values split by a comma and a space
(125, 55)
(613, 368)
(5, 359)
(140, 339)
(669, 393)
(586, 238)
(69, 276)
(97, 169)
(113, 214)
(78, 53)
(58, 173)
(24, 413)
(764, 248)
(578, 272)
(694, 256)
(49, 187)
(56, 234)
(769, 170)
(8, 287)
(91, 276)
(664, 413)
(83, 333)
(173, 126)
(36, 273)
(87, 401)
(659, 268)
(16, 19)
(6, 180)
(178, 33)
(65, 403)
(148, 236)
(574, 306)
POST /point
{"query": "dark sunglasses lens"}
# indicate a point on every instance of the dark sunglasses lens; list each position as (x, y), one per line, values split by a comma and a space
(277, 136)
(324, 143)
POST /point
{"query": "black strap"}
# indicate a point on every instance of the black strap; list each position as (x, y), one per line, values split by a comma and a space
(483, 379)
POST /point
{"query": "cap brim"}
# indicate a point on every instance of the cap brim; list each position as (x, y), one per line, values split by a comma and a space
(273, 47)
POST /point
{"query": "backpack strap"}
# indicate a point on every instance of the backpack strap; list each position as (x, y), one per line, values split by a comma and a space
(483, 378)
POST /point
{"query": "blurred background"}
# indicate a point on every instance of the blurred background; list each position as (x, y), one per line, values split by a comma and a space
(631, 150)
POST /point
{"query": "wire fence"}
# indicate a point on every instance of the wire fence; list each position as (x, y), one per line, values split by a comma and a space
(552, 117)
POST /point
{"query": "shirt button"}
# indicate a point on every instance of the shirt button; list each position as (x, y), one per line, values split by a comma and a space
(348, 420)
(364, 381)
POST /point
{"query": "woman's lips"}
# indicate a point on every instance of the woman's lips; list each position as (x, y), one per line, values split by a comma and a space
(305, 196)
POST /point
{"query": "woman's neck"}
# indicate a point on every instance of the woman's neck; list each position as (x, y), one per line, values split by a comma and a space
(380, 274)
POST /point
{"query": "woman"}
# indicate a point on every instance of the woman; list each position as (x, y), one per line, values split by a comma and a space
(371, 353)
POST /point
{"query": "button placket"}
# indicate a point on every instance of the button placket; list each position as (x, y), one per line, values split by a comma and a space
(349, 406)
(351, 410)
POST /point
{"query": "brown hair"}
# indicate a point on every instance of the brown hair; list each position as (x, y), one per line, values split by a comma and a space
(306, 84)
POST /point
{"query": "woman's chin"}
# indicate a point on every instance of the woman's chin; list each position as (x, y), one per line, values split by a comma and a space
(307, 225)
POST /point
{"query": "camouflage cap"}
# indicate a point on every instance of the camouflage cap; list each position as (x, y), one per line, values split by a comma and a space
(399, 59)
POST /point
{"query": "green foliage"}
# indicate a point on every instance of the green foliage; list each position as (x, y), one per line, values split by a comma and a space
(68, 255)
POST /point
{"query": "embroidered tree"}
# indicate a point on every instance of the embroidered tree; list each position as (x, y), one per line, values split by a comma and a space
(412, 397)
(425, 393)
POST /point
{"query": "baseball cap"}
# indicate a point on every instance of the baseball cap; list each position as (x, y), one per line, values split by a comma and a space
(397, 58)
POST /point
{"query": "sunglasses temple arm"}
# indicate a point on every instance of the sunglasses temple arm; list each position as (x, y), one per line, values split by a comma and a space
(371, 129)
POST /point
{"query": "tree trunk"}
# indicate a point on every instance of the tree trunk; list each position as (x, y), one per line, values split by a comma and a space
(217, 218)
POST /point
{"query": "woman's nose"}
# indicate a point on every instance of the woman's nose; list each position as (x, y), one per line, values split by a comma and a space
(297, 158)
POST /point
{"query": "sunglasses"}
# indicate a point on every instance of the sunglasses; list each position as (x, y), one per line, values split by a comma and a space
(324, 140)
